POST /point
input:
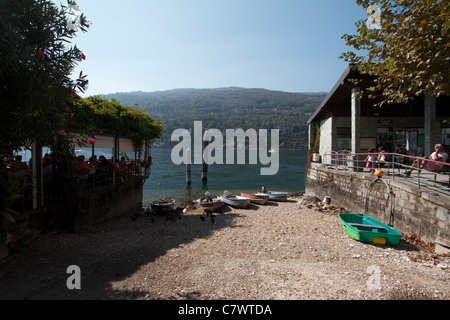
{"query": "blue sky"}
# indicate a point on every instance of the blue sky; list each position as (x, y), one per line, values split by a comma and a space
(156, 45)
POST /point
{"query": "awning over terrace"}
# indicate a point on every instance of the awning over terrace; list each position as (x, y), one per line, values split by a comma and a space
(119, 144)
(106, 141)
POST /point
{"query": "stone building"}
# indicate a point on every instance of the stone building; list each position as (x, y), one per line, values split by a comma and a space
(349, 120)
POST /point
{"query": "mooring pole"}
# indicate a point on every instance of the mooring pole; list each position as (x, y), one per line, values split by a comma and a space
(205, 158)
(188, 166)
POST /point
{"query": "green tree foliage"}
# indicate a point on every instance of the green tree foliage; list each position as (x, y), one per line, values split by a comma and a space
(407, 49)
(134, 123)
(36, 62)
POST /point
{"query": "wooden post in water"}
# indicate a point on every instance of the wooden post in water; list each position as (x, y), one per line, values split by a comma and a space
(188, 166)
(204, 161)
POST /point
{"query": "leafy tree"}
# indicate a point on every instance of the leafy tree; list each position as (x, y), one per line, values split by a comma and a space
(406, 47)
(135, 124)
(36, 62)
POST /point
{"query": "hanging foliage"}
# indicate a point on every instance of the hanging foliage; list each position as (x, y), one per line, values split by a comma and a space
(101, 114)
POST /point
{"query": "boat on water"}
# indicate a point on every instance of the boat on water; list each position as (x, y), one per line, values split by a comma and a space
(364, 228)
(163, 205)
(274, 195)
(255, 198)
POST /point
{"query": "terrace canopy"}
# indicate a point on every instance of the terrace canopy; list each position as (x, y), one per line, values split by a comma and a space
(118, 144)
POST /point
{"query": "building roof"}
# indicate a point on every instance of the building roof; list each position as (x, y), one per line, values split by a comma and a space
(338, 101)
(339, 94)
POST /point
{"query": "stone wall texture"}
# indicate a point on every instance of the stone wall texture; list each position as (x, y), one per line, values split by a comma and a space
(111, 203)
(90, 210)
(418, 211)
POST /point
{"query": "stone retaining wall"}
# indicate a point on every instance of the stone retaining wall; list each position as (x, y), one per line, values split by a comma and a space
(417, 211)
(90, 210)
(111, 203)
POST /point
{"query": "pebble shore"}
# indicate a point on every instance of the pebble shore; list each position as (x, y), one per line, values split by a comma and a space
(295, 250)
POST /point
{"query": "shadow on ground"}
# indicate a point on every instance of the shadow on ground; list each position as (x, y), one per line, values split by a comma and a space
(37, 269)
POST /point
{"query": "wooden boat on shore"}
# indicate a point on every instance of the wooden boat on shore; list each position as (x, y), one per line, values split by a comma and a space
(163, 205)
(234, 201)
(210, 205)
(274, 196)
(255, 198)
(364, 228)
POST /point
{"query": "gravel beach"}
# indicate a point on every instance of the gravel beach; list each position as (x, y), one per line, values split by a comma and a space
(295, 250)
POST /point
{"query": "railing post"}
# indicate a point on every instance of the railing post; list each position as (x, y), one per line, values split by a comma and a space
(356, 120)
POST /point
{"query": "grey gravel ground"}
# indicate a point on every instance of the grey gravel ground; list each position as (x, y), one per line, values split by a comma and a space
(280, 251)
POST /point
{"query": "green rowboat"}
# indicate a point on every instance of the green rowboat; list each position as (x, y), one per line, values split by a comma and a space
(363, 228)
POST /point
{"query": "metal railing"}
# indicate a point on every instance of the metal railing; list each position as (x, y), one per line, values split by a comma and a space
(396, 166)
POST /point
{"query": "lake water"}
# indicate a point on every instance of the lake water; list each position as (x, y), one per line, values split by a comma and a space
(168, 180)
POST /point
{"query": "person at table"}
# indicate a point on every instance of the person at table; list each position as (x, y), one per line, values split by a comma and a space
(438, 155)
(82, 165)
(381, 158)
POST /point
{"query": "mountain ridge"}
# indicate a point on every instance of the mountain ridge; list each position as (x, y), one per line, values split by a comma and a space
(228, 108)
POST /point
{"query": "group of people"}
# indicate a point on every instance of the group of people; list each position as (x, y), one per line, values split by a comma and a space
(17, 167)
(93, 165)
(102, 165)
(374, 159)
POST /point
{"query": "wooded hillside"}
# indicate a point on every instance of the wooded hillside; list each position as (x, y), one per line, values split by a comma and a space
(229, 108)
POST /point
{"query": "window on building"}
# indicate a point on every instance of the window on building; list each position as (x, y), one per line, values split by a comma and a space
(384, 138)
(343, 138)
(414, 139)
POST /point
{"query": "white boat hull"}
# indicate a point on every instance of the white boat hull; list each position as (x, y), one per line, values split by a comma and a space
(236, 202)
(261, 201)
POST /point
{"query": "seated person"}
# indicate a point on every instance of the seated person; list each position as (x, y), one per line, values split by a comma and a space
(82, 165)
(381, 159)
(103, 164)
(17, 167)
(438, 155)
(399, 150)
(17, 164)
(47, 170)
(123, 162)
(123, 167)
